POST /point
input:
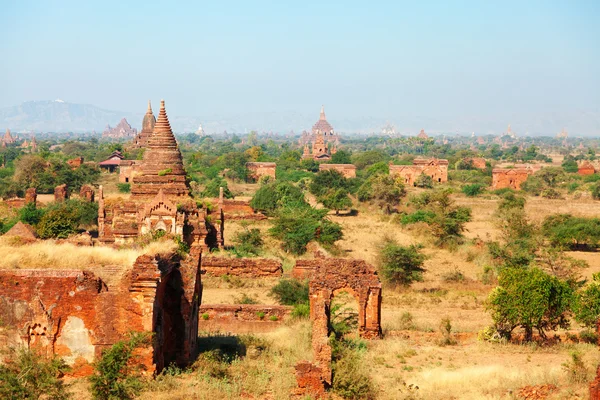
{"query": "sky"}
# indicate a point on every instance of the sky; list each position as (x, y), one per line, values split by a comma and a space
(359, 58)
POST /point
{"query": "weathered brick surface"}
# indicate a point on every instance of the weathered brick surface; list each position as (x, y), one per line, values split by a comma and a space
(31, 196)
(75, 314)
(308, 377)
(241, 318)
(348, 170)
(258, 169)
(238, 210)
(61, 193)
(245, 267)
(437, 169)
(87, 193)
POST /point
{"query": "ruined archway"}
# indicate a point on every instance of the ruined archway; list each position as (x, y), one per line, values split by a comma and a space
(328, 276)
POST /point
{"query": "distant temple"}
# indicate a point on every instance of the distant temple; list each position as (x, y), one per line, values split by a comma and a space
(423, 135)
(510, 133)
(322, 134)
(562, 135)
(122, 130)
(7, 139)
(141, 140)
(200, 131)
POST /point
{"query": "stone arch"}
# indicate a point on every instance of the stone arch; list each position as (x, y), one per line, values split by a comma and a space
(328, 276)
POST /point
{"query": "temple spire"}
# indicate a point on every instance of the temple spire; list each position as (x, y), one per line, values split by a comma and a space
(149, 111)
(322, 117)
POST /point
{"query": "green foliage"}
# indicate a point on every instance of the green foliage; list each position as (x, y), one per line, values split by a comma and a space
(30, 214)
(473, 190)
(570, 165)
(249, 242)
(595, 191)
(511, 200)
(576, 369)
(29, 375)
(530, 299)
(424, 181)
(326, 181)
(337, 200)
(290, 292)
(213, 188)
(245, 299)
(341, 157)
(124, 187)
(165, 172)
(57, 223)
(369, 157)
(274, 196)
(301, 311)
(572, 232)
(350, 378)
(117, 372)
(401, 265)
(417, 216)
(586, 305)
(385, 191)
(297, 226)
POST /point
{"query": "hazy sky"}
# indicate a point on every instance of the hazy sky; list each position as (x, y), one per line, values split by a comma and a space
(367, 58)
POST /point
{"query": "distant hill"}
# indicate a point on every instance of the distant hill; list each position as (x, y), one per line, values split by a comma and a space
(60, 116)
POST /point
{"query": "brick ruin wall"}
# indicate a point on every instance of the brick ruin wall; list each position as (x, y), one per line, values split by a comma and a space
(76, 315)
(243, 267)
(511, 178)
(258, 169)
(239, 210)
(348, 170)
(241, 318)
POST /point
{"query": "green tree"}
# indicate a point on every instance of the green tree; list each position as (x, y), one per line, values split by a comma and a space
(30, 375)
(117, 374)
(249, 241)
(213, 189)
(341, 157)
(424, 181)
(472, 190)
(327, 181)
(530, 299)
(57, 223)
(586, 305)
(290, 292)
(30, 214)
(401, 265)
(386, 192)
(273, 196)
(337, 201)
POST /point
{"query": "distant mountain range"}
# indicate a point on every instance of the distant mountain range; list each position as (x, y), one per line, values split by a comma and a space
(61, 116)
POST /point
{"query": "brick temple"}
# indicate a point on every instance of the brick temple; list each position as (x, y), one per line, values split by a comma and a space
(160, 198)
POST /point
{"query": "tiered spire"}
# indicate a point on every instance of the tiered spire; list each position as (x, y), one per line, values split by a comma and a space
(322, 116)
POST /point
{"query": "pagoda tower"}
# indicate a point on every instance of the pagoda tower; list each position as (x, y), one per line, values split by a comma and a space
(323, 127)
(8, 139)
(162, 166)
(148, 123)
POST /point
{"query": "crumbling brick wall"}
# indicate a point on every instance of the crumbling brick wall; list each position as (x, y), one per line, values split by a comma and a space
(31, 195)
(328, 276)
(238, 210)
(348, 170)
(241, 318)
(75, 314)
(258, 169)
(61, 193)
(87, 193)
(244, 267)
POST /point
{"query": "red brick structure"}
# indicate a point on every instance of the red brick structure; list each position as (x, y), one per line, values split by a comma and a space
(328, 276)
(437, 169)
(477, 162)
(348, 170)
(61, 193)
(75, 315)
(241, 318)
(244, 267)
(512, 178)
(586, 168)
(87, 193)
(75, 162)
(128, 169)
(148, 123)
(160, 198)
(31, 196)
(258, 169)
(422, 135)
(23, 231)
(112, 162)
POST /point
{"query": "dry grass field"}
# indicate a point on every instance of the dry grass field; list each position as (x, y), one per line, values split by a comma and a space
(411, 353)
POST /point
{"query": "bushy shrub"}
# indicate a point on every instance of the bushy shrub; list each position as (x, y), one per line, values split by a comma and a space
(30, 214)
(326, 181)
(270, 198)
(530, 299)
(473, 190)
(290, 292)
(337, 200)
(116, 373)
(57, 223)
(350, 378)
(29, 375)
(249, 242)
(586, 305)
(213, 188)
(417, 216)
(572, 232)
(401, 265)
(424, 181)
(124, 187)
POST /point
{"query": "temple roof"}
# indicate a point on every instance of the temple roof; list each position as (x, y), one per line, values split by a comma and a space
(149, 120)
(162, 166)
(322, 125)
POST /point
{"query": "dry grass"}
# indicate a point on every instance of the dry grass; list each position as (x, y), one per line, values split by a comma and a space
(49, 254)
